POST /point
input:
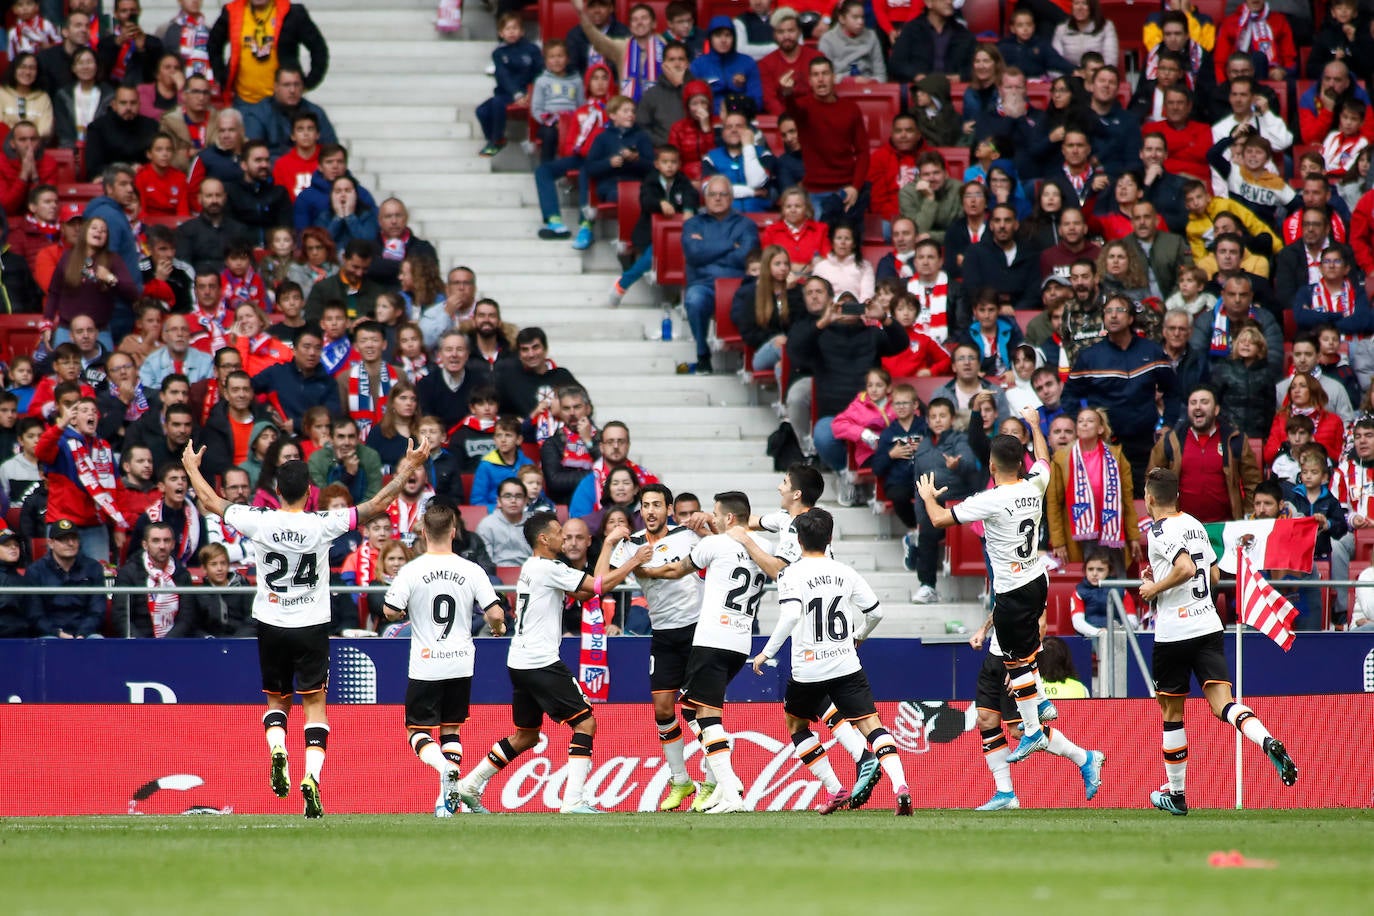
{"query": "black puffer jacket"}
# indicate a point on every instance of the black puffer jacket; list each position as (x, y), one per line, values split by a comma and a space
(841, 355)
(1246, 395)
(742, 313)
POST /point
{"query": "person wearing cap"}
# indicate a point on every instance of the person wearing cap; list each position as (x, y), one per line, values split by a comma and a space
(663, 103)
(153, 566)
(81, 477)
(733, 77)
(46, 259)
(65, 615)
(790, 56)
(14, 616)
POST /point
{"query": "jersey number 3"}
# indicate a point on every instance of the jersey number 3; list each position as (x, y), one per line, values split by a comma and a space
(306, 575)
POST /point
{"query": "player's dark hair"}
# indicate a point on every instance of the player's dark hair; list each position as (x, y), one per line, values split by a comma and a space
(808, 481)
(1162, 485)
(1007, 454)
(537, 524)
(735, 503)
(438, 521)
(814, 529)
(1271, 488)
(661, 490)
(293, 482)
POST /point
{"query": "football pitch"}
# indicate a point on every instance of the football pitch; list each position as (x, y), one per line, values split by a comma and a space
(1107, 862)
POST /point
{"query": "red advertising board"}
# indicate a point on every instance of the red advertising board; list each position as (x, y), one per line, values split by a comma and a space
(174, 759)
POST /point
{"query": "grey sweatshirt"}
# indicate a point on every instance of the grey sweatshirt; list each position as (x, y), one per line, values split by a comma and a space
(554, 95)
(858, 56)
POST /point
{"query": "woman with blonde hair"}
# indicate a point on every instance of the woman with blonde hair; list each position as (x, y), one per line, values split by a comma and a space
(1245, 384)
(806, 239)
(1088, 503)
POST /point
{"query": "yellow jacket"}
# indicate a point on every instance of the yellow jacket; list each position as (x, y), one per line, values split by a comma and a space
(1199, 228)
(1202, 33)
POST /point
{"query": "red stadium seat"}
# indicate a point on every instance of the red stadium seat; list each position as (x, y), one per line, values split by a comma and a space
(509, 575)
(926, 386)
(669, 264)
(726, 332)
(984, 17)
(65, 160)
(709, 9)
(965, 552)
(879, 102)
(768, 125)
(556, 18)
(627, 209)
(1281, 90)
(472, 516)
(957, 159)
(18, 335)
(764, 219)
(531, 450)
(1058, 619)
(1129, 18)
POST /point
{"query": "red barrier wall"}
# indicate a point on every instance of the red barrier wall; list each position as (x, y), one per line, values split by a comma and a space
(216, 759)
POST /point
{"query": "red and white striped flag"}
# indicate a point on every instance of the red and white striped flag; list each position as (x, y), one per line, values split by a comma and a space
(1261, 606)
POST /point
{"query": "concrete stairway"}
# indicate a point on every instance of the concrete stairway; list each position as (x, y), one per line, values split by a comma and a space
(403, 99)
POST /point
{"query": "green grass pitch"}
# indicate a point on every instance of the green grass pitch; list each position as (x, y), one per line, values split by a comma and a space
(1108, 862)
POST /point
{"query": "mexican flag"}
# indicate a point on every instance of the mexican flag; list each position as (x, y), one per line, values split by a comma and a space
(1284, 543)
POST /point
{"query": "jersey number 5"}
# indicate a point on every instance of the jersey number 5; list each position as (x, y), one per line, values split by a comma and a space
(306, 575)
(1199, 576)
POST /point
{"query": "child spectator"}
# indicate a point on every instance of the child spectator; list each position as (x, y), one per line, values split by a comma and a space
(861, 423)
(239, 281)
(31, 32)
(1253, 181)
(281, 249)
(621, 152)
(1061, 680)
(681, 16)
(1341, 37)
(337, 354)
(573, 147)
(21, 382)
(985, 155)
(474, 437)
(993, 334)
(694, 135)
(732, 76)
(1203, 208)
(499, 464)
(9, 422)
(1285, 467)
(1343, 145)
(936, 118)
(290, 305)
(556, 92)
(1025, 359)
(518, 62)
(20, 473)
(892, 462)
(665, 191)
(410, 351)
(161, 187)
(1030, 53)
(1332, 361)
(1191, 296)
(1088, 608)
(924, 356)
(533, 478)
(295, 169)
(1311, 496)
(853, 49)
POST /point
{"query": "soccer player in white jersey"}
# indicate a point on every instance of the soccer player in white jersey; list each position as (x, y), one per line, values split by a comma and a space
(540, 683)
(721, 641)
(1010, 513)
(996, 708)
(1188, 638)
(673, 608)
(799, 491)
(437, 590)
(819, 600)
(292, 604)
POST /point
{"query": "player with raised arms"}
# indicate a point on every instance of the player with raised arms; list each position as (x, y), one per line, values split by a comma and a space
(436, 591)
(1189, 641)
(673, 608)
(540, 683)
(819, 599)
(1011, 513)
(291, 606)
(720, 642)
(798, 492)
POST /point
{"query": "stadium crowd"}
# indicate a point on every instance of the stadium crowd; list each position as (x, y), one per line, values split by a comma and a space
(912, 230)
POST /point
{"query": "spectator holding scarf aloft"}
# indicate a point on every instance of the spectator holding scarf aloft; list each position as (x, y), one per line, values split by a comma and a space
(1088, 503)
(80, 473)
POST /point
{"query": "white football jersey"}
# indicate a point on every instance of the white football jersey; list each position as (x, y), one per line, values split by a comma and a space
(438, 592)
(539, 598)
(780, 522)
(1186, 610)
(293, 561)
(673, 603)
(732, 593)
(821, 599)
(1011, 527)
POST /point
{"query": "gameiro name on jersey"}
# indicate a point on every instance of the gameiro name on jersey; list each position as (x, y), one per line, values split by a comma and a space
(1010, 514)
(732, 593)
(819, 600)
(1186, 610)
(293, 560)
(539, 596)
(438, 593)
(673, 603)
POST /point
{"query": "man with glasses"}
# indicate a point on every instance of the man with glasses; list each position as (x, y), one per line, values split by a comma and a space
(503, 531)
(189, 123)
(1298, 264)
(1336, 301)
(715, 244)
(460, 299)
(237, 489)
(123, 400)
(1191, 366)
(967, 382)
(1124, 373)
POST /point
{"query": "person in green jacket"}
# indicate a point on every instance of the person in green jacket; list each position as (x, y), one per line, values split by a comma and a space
(344, 460)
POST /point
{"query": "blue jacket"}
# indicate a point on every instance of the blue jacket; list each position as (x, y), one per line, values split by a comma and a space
(1008, 338)
(719, 162)
(122, 241)
(1034, 58)
(609, 143)
(1125, 382)
(271, 123)
(491, 473)
(1325, 504)
(888, 469)
(516, 67)
(719, 70)
(1116, 139)
(1359, 321)
(314, 200)
(79, 615)
(1094, 599)
(715, 248)
(294, 393)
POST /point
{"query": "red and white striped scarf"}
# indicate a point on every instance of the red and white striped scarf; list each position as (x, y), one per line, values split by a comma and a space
(1090, 521)
(194, 47)
(593, 661)
(404, 515)
(162, 606)
(1341, 302)
(1354, 487)
(365, 563)
(1256, 34)
(95, 472)
(903, 263)
(238, 290)
(545, 426)
(932, 320)
(600, 472)
(576, 453)
(362, 405)
(33, 35)
(641, 67)
(415, 369)
(1194, 62)
(395, 249)
(211, 326)
(1339, 152)
(190, 528)
(51, 231)
(1080, 181)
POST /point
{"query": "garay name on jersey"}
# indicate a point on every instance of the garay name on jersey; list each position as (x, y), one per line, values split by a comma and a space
(288, 536)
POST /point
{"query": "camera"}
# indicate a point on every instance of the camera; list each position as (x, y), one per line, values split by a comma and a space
(851, 306)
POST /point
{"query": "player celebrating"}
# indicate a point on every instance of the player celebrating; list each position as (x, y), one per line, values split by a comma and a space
(673, 608)
(1188, 638)
(436, 591)
(1011, 513)
(720, 642)
(292, 604)
(817, 600)
(798, 493)
(540, 683)
(996, 708)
